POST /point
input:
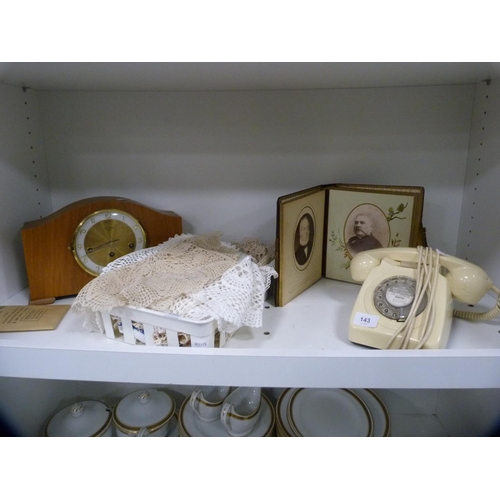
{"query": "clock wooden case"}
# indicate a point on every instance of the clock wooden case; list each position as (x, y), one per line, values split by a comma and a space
(54, 267)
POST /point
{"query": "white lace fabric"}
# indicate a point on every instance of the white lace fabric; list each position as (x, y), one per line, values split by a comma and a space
(194, 277)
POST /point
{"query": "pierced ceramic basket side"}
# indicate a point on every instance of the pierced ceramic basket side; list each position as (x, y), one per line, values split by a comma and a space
(141, 326)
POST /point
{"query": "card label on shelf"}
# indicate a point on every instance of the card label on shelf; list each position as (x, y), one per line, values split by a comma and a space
(31, 318)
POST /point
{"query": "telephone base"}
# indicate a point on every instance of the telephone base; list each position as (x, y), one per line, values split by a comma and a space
(379, 340)
(367, 326)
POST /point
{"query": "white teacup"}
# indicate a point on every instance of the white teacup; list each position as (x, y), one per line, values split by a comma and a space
(240, 411)
(206, 401)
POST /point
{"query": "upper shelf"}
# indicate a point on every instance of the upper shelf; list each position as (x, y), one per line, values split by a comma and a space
(190, 76)
(305, 345)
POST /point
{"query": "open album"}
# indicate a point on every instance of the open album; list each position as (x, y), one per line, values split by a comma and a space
(320, 229)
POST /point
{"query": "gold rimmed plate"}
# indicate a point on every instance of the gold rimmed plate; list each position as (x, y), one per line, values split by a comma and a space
(328, 413)
(378, 410)
(283, 429)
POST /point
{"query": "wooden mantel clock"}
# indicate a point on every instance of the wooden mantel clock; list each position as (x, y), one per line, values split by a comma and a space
(68, 248)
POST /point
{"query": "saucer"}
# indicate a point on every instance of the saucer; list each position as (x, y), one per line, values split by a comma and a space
(328, 412)
(190, 425)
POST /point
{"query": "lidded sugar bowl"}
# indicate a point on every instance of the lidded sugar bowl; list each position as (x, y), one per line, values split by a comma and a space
(144, 413)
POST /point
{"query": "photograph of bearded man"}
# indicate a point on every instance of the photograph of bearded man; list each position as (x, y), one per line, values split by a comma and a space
(363, 238)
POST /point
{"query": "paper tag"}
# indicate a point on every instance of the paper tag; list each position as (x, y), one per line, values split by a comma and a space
(368, 320)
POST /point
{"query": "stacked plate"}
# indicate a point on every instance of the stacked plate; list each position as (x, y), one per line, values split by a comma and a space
(331, 412)
(190, 425)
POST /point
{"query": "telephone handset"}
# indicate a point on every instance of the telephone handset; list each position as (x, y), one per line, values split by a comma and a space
(406, 300)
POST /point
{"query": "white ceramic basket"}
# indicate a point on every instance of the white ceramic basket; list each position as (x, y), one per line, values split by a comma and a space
(140, 326)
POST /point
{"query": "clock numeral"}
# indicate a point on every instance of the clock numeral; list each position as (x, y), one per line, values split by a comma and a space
(83, 231)
(139, 240)
(92, 220)
(107, 215)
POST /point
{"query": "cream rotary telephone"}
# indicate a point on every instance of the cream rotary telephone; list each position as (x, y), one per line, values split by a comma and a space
(406, 300)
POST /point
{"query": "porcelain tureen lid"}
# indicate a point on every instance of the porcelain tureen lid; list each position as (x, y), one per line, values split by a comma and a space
(82, 419)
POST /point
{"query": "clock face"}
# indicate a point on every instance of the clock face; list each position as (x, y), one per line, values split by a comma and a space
(104, 236)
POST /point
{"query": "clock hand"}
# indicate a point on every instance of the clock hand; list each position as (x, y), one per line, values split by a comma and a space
(90, 250)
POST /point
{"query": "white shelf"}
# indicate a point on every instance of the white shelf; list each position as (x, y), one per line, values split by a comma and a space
(307, 346)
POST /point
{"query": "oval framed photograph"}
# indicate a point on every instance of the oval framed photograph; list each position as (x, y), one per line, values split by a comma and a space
(366, 227)
(303, 245)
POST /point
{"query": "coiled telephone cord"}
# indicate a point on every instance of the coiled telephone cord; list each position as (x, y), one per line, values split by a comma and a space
(484, 316)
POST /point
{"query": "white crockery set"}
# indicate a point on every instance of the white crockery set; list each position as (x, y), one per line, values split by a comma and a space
(220, 412)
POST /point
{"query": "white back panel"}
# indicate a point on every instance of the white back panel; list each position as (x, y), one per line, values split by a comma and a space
(221, 159)
(24, 182)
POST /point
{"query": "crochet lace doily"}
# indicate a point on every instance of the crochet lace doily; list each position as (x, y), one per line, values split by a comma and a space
(193, 277)
(263, 254)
